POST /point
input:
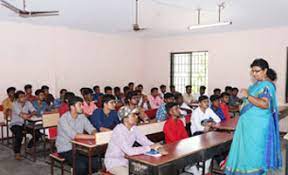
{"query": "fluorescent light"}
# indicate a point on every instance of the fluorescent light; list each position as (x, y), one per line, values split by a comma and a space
(209, 25)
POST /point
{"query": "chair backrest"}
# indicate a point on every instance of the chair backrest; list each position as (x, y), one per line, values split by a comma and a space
(50, 120)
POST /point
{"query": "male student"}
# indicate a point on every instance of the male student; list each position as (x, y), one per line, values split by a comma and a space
(188, 97)
(48, 97)
(224, 105)
(64, 107)
(118, 97)
(58, 101)
(202, 91)
(154, 99)
(234, 100)
(105, 118)
(132, 101)
(217, 91)
(28, 91)
(215, 106)
(131, 86)
(21, 110)
(39, 104)
(97, 93)
(162, 91)
(173, 89)
(88, 104)
(203, 117)
(161, 114)
(71, 126)
(108, 90)
(123, 137)
(184, 108)
(8, 102)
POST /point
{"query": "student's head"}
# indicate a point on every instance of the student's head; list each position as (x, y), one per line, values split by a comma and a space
(202, 90)
(82, 90)
(20, 96)
(108, 90)
(139, 87)
(11, 92)
(117, 91)
(67, 96)
(108, 102)
(96, 89)
(260, 70)
(131, 86)
(40, 94)
(28, 89)
(62, 93)
(215, 101)
(225, 97)
(217, 91)
(228, 89)
(172, 109)
(128, 116)
(154, 91)
(125, 90)
(75, 104)
(203, 102)
(45, 88)
(169, 97)
(179, 99)
(188, 89)
(235, 91)
(163, 89)
(87, 94)
(132, 98)
(172, 89)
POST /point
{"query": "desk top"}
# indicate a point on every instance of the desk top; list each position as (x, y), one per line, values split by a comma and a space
(89, 143)
(185, 147)
(229, 125)
(34, 119)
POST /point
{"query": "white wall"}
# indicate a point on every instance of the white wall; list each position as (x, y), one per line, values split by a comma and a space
(230, 55)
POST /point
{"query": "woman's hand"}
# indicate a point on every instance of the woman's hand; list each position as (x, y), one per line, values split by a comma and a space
(244, 93)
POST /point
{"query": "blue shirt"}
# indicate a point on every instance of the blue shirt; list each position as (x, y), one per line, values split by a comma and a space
(219, 113)
(96, 97)
(99, 119)
(40, 109)
(161, 114)
(57, 103)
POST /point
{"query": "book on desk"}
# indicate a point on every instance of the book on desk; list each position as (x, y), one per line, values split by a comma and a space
(153, 153)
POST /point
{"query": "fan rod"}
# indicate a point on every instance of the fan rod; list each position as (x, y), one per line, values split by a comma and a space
(136, 16)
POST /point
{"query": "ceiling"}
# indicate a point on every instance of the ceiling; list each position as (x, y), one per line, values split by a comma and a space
(161, 17)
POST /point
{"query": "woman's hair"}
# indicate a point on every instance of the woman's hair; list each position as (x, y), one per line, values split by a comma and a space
(263, 64)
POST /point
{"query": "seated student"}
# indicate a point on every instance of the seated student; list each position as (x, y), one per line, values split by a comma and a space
(118, 97)
(184, 108)
(161, 114)
(228, 89)
(215, 106)
(108, 90)
(58, 101)
(28, 92)
(162, 91)
(64, 107)
(88, 105)
(21, 110)
(143, 100)
(105, 118)
(48, 97)
(174, 129)
(223, 105)
(132, 101)
(203, 117)
(154, 99)
(235, 101)
(188, 97)
(8, 102)
(97, 93)
(40, 105)
(173, 90)
(131, 86)
(217, 91)
(71, 126)
(123, 137)
(125, 92)
(202, 91)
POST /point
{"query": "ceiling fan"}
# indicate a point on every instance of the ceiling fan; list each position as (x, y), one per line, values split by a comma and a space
(136, 26)
(25, 13)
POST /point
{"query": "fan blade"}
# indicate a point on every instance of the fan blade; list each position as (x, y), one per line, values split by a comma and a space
(11, 7)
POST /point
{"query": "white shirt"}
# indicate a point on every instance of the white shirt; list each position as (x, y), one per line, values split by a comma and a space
(198, 116)
(189, 98)
(184, 106)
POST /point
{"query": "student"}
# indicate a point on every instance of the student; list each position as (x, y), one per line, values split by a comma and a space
(48, 97)
(88, 105)
(105, 118)
(121, 144)
(58, 101)
(139, 87)
(162, 91)
(125, 92)
(234, 100)
(188, 97)
(21, 110)
(228, 89)
(8, 102)
(202, 91)
(72, 126)
(143, 101)
(215, 106)
(64, 107)
(217, 91)
(174, 129)
(108, 90)
(154, 99)
(131, 86)
(132, 101)
(40, 105)
(161, 114)
(203, 117)
(118, 97)
(223, 105)
(184, 108)
(97, 93)
(173, 89)
(28, 92)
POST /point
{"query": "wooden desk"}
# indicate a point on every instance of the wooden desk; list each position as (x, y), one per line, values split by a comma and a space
(229, 125)
(186, 152)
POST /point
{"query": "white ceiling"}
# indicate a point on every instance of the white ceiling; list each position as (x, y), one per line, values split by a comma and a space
(161, 17)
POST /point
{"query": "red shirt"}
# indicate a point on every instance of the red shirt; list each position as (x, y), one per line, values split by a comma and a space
(225, 110)
(174, 130)
(31, 98)
(63, 109)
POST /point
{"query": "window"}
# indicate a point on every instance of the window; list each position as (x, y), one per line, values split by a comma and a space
(189, 68)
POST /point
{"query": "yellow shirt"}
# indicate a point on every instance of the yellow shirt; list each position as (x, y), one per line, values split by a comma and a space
(7, 104)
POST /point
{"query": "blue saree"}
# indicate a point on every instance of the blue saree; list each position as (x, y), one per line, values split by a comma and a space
(256, 145)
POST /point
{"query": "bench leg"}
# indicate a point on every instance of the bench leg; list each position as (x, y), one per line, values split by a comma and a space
(52, 166)
(62, 168)
(2, 134)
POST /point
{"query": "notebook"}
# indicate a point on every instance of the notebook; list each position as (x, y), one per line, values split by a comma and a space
(153, 153)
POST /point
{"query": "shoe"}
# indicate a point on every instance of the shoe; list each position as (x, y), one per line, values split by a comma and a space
(18, 156)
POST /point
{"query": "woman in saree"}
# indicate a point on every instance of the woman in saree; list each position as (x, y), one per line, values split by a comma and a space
(256, 146)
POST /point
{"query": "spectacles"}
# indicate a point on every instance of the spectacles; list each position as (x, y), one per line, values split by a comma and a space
(256, 71)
